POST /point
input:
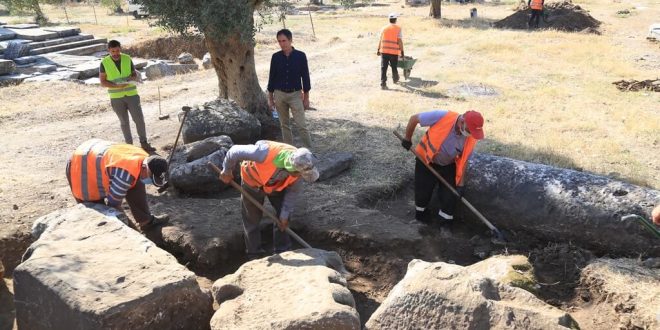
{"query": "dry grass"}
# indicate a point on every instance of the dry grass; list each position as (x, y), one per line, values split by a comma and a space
(555, 102)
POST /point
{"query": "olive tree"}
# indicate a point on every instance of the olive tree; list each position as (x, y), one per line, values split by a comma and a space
(33, 6)
(229, 28)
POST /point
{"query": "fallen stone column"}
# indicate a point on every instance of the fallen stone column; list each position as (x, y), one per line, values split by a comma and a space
(561, 205)
(87, 270)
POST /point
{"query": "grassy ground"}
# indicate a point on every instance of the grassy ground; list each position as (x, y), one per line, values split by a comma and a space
(555, 103)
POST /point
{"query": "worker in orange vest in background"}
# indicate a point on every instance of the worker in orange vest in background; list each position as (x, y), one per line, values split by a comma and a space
(390, 47)
(269, 169)
(446, 146)
(537, 10)
(104, 172)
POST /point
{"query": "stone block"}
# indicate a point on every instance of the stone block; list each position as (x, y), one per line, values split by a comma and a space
(221, 117)
(485, 295)
(88, 69)
(332, 164)
(189, 170)
(63, 31)
(307, 283)
(88, 270)
(7, 67)
(206, 61)
(184, 68)
(186, 58)
(21, 26)
(27, 60)
(35, 34)
(6, 34)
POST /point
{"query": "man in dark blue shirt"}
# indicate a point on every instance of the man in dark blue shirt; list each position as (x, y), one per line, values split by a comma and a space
(288, 88)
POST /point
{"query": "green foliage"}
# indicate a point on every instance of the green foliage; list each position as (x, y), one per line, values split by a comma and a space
(114, 5)
(220, 19)
(347, 3)
(32, 6)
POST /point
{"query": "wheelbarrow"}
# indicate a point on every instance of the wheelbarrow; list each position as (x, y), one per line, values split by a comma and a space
(406, 63)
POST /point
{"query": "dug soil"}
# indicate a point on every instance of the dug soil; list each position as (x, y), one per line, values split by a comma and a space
(562, 16)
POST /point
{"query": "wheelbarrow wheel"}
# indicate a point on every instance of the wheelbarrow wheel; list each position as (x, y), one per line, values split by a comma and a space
(406, 73)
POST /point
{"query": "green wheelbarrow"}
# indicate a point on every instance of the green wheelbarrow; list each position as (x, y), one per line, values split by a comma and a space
(406, 63)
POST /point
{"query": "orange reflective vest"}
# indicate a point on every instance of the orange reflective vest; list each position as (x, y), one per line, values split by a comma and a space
(431, 142)
(536, 4)
(91, 161)
(389, 43)
(258, 175)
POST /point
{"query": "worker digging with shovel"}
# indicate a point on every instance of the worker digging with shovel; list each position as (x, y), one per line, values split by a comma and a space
(268, 169)
(446, 147)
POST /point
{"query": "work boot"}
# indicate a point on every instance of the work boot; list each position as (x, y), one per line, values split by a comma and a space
(147, 147)
(155, 221)
(444, 218)
(383, 86)
(421, 217)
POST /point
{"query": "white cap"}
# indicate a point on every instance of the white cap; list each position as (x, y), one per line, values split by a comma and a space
(303, 161)
(393, 15)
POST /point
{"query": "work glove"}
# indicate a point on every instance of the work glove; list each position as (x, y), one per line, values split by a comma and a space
(406, 144)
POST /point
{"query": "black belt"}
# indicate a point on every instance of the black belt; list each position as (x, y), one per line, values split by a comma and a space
(289, 90)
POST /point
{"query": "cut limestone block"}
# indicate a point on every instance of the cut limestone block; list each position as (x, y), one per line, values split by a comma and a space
(58, 41)
(84, 50)
(88, 270)
(27, 60)
(88, 69)
(35, 34)
(63, 31)
(302, 289)
(6, 34)
(22, 26)
(332, 164)
(66, 46)
(486, 295)
(7, 66)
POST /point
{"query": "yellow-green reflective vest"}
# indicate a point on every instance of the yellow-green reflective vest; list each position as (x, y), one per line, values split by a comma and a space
(113, 75)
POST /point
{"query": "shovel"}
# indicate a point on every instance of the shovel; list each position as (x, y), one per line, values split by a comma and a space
(185, 110)
(645, 223)
(270, 215)
(161, 116)
(499, 237)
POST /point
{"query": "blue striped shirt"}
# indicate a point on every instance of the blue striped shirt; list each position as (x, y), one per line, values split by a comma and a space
(120, 182)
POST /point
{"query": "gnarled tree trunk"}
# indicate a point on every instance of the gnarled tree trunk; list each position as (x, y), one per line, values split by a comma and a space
(233, 60)
(435, 10)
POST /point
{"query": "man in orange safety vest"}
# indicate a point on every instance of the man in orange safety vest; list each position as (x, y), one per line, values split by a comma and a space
(537, 10)
(390, 47)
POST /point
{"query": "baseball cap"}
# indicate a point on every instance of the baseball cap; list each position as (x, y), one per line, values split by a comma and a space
(475, 124)
(158, 167)
(304, 162)
(393, 15)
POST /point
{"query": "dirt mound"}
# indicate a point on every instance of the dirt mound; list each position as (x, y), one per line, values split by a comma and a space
(168, 48)
(562, 16)
(634, 85)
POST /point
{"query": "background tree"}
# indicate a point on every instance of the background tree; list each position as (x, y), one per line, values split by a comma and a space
(114, 5)
(229, 28)
(33, 6)
(435, 10)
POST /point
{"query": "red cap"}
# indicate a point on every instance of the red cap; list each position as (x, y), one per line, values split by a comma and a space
(475, 124)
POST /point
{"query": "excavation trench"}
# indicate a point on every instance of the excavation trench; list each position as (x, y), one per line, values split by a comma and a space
(378, 266)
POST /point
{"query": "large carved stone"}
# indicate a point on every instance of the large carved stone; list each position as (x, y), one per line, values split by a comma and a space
(189, 170)
(87, 270)
(332, 164)
(486, 295)
(221, 117)
(292, 290)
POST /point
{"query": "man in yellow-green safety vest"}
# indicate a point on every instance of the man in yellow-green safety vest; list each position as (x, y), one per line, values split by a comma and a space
(117, 73)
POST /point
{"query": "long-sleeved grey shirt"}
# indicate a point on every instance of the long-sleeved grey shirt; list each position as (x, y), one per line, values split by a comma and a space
(258, 152)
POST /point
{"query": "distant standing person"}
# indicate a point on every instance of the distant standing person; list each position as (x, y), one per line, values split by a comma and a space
(537, 10)
(390, 46)
(118, 74)
(288, 87)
